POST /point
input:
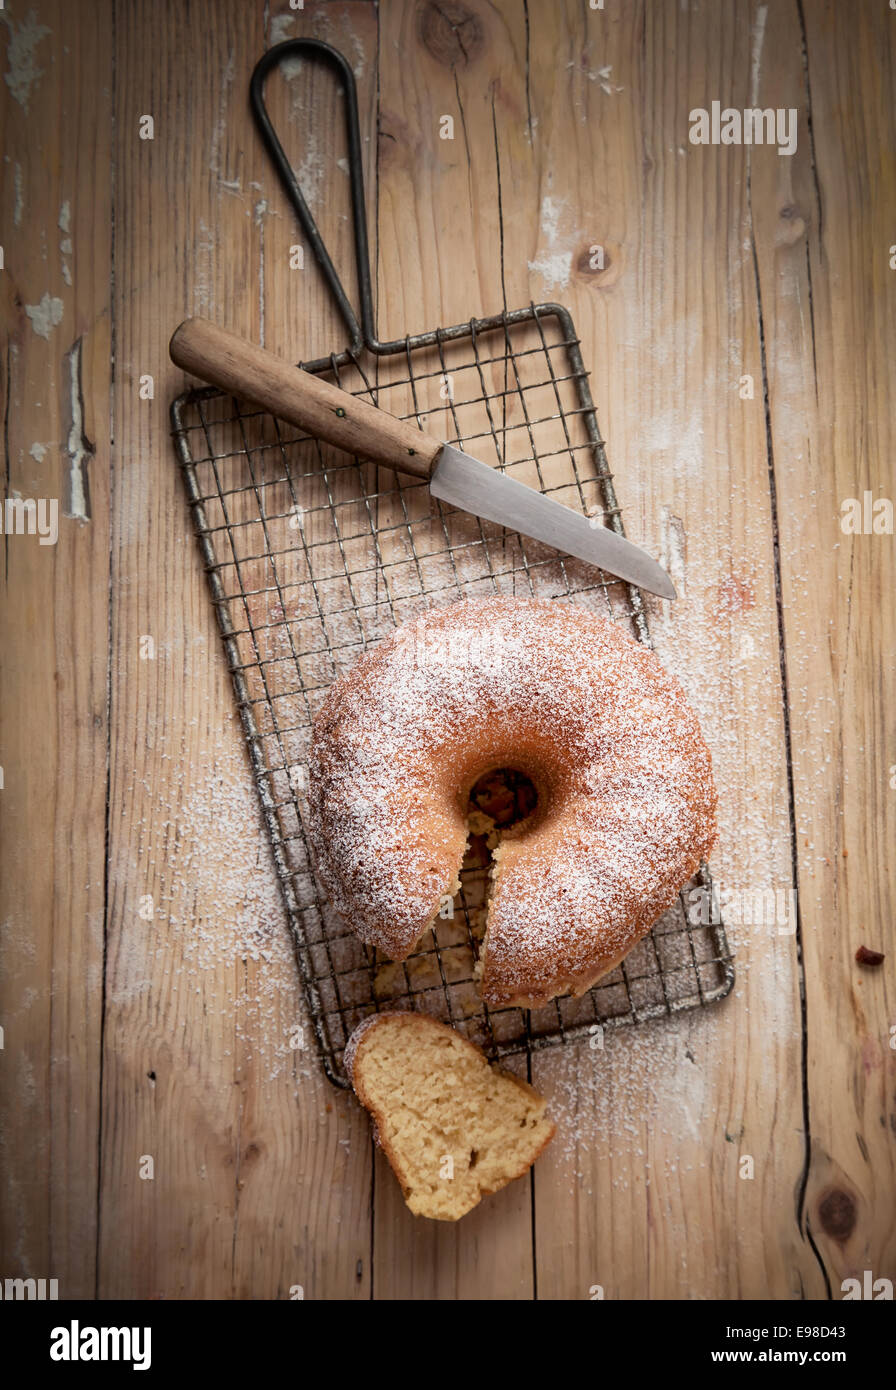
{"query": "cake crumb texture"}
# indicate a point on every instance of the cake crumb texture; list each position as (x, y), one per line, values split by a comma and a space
(453, 1127)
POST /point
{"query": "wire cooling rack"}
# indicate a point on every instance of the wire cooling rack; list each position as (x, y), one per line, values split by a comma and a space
(314, 555)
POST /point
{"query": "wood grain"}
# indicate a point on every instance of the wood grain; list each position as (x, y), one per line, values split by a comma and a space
(437, 212)
(201, 1002)
(318, 1220)
(150, 1000)
(822, 219)
(54, 717)
(669, 333)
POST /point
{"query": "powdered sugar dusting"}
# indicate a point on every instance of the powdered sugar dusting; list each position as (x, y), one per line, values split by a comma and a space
(568, 698)
(218, 926)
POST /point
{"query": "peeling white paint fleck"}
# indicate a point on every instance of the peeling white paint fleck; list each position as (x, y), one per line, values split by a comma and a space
(281, 27)
(310, 173)
(203, 269)
(219, 130)
(280, 31)
(554, 262)
(45, 315)
(20, 54)
(551, 211)
(38, 451)
(78, 455)
(358, 65)
(262, 210)
(602, 75)
(674, 548)
(65, 245)
(756, 54)
(554, 269)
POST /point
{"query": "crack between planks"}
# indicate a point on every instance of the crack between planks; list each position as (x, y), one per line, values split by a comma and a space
(528, 72)
(842, 681)
(107, 829)
(463, 126)
(500, 203)
(838, 795)
(802, 1221)
(499, 197)
(791, 796)
(804, 52)
(238, 1163)
(812, 319)
(6, 449)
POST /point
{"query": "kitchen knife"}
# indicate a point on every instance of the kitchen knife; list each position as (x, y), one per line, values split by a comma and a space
(238, 366)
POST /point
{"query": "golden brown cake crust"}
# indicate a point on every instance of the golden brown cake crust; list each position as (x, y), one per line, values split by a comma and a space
(626, 807)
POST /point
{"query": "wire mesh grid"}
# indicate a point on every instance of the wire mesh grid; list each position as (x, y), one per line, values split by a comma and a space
(314, 555)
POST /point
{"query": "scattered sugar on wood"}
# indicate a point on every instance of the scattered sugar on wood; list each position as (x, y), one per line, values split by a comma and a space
(220, 927)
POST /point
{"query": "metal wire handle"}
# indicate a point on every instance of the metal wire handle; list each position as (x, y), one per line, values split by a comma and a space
(359, 333)
(363, 334)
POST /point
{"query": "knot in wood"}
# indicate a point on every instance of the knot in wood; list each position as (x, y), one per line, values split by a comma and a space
(837, 1214)
(451, 32)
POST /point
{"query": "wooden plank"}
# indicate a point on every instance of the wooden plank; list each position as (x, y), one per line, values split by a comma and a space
(439, 263)
(261, 1182)
(56, 198)
(654, 1125)
(318, 1221)
(824, 222)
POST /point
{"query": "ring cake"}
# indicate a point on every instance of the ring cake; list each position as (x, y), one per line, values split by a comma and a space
(626, 802)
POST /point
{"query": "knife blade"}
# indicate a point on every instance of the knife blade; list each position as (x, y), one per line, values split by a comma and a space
(233, 364)
(468, 483)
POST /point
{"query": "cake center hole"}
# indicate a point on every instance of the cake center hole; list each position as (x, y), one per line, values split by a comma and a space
(506, 795)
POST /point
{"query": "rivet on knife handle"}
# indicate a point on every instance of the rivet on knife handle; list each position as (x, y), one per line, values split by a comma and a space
(233, 364)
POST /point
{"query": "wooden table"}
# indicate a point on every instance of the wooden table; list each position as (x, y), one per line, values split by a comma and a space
(741, 338)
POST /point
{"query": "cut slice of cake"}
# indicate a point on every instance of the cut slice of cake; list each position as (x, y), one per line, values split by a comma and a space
(453, 1127)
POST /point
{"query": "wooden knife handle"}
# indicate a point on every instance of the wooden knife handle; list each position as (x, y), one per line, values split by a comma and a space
(233, 364)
